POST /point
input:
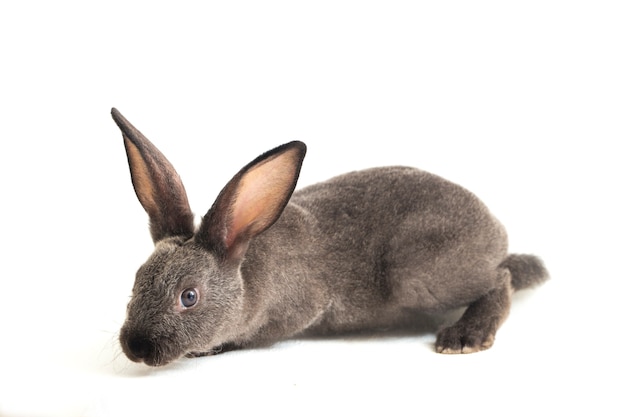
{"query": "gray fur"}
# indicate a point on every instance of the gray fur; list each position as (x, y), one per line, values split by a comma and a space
(364, 250)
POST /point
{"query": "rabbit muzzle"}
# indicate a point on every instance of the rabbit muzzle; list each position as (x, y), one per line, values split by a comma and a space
(142, 347)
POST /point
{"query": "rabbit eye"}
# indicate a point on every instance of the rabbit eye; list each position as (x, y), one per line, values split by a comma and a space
(189, 297)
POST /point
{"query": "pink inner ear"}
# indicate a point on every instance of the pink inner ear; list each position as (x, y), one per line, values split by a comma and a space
(141, 178)
(260, 196)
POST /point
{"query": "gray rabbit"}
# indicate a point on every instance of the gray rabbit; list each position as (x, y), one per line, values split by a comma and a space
(365, 250)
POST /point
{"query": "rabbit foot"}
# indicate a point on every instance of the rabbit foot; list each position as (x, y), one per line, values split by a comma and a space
(214, 351)
(476, 329)
(459, 339)
(198, 354)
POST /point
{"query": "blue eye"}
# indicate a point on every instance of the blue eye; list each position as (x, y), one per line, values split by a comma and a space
(189, 297)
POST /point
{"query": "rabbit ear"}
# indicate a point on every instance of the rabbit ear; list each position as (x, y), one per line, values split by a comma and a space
(157, 185)
(252, 201)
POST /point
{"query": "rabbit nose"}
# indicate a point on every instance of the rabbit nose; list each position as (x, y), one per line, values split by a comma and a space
(140, 347)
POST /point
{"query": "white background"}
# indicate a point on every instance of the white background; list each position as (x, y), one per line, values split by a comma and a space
(521, 102)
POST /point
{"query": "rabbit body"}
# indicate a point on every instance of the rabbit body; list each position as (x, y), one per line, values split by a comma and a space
(369, 248)
(363, 250)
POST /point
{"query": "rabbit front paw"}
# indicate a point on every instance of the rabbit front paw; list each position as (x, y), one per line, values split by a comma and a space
(461, 339)
(198, 354)
(214, 351)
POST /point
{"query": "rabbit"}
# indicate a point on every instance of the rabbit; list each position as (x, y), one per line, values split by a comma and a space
(362, 251)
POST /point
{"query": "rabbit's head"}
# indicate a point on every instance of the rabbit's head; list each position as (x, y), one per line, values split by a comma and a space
(189, 297)
(184, 300)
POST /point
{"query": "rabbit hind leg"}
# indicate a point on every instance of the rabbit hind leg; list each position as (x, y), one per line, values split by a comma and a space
(476, 329)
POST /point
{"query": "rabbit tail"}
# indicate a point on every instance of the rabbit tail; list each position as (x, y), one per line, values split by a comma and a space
(526, 271)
